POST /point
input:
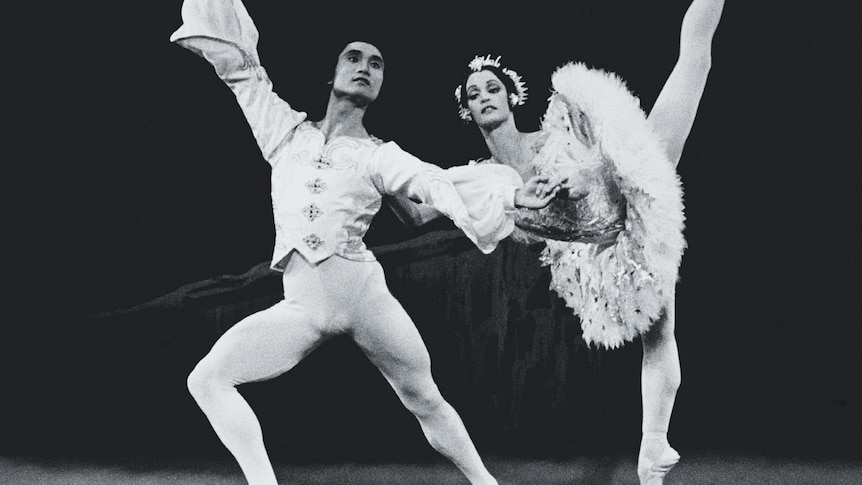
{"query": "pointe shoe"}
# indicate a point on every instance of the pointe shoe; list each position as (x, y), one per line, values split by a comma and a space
(652, 473)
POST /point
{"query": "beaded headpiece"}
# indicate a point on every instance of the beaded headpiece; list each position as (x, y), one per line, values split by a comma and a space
(517, 98)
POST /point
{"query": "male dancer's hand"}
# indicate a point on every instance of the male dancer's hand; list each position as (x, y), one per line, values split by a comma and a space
(537, 192)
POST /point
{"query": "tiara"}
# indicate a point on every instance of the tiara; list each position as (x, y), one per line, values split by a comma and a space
(517, 98)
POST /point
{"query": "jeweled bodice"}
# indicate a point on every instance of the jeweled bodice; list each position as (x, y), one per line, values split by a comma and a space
(595, 218)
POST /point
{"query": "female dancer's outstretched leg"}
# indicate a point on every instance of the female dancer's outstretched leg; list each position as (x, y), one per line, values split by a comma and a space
(673, 113)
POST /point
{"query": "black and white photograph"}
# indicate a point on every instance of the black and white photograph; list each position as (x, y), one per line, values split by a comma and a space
(368, 243)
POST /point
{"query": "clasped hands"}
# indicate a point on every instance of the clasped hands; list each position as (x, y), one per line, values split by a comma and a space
(540, 190)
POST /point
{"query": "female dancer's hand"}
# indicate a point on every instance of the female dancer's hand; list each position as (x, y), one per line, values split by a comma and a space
(575, 184)
(576, 167)
(537, 192)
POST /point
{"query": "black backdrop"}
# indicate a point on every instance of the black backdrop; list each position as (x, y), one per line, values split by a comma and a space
(130, 172)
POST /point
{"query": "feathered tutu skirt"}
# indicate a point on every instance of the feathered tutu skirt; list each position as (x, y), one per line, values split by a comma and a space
(615, 254)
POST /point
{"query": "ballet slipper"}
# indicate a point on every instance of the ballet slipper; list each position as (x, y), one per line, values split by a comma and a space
(653, 473)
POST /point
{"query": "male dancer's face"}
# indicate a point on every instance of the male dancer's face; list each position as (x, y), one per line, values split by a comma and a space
(359, 73)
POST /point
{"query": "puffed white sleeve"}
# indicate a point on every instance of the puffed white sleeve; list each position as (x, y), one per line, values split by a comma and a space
(478, 198)
(222, 32)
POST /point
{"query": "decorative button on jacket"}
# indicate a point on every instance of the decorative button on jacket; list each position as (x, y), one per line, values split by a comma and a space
(311, 212)
(315, 186)
(313, 241)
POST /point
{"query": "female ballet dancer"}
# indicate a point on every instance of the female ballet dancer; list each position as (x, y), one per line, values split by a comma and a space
(614, 234)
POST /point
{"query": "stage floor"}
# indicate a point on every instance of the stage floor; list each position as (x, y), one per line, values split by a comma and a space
(694, 469)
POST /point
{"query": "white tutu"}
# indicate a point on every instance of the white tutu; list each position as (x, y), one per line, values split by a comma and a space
(618, 287)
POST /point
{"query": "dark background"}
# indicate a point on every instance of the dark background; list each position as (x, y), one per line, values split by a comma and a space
(131, 172)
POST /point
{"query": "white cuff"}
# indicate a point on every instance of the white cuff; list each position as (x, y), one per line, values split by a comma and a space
(509, 198)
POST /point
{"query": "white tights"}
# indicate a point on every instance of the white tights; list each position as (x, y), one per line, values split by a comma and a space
(336, 296)
(672, 117)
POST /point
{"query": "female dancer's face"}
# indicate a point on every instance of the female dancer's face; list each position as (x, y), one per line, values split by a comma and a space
(487, 98)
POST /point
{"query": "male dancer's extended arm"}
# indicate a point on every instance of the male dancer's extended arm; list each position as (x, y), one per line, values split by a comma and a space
(222, 32)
